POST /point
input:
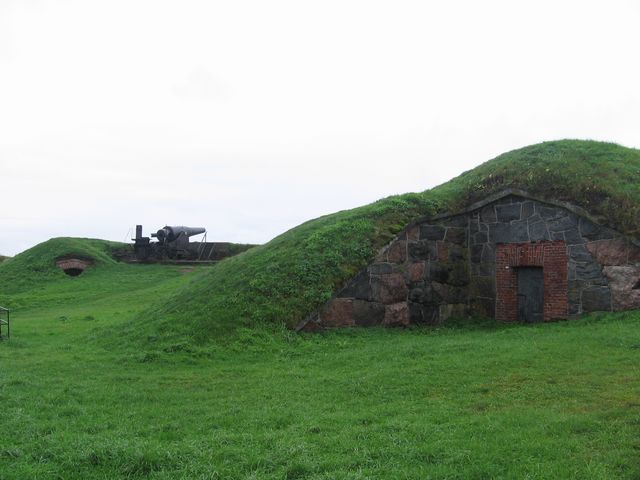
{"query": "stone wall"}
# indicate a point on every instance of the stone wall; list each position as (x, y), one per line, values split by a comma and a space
(519, 220)
(443, 267)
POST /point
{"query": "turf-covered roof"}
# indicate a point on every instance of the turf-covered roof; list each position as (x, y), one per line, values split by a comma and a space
(37, 265)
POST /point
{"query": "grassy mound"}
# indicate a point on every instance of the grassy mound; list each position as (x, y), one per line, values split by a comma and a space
(289, 277)
(37, 265)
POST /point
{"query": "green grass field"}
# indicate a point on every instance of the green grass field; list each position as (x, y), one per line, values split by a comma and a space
(461, 401)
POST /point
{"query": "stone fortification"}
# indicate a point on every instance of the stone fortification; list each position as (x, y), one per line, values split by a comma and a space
(468, 263)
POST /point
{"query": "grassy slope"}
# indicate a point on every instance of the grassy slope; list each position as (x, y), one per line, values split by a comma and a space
(482, 401)
(286, 279)
(493, 401)
(36, 266)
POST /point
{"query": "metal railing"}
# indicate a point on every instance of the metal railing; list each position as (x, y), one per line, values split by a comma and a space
(4, 312)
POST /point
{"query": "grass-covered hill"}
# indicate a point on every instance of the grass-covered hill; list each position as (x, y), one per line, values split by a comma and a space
(286, 279)
(36, 266)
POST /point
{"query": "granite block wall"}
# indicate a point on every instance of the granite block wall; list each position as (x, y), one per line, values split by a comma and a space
(447, 266)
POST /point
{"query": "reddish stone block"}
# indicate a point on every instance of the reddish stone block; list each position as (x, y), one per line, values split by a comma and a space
(610, 252)
(413, 233)
(416, 271)
(338, 313)
(396, 315)
(443, 251)
(397, 252)
(389, 288)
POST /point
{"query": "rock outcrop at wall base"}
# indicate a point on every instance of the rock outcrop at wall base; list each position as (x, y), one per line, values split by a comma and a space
(467, 264)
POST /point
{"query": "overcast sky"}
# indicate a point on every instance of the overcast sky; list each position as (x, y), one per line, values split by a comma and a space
(248, 118)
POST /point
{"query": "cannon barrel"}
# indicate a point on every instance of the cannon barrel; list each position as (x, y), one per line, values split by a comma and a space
(170, 234)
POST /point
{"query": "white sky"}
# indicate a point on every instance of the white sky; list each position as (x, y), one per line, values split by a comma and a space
(250, 117)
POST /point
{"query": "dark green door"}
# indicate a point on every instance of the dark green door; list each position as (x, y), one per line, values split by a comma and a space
(530, 294)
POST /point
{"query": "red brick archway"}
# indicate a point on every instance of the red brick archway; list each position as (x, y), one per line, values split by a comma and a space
(552, 257)
(73, 266)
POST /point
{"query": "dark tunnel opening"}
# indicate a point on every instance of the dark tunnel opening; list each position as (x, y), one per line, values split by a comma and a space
(73, 272)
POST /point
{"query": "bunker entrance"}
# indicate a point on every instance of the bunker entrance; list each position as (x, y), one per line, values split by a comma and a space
(530, 294)
(73, 272)
(73, 266)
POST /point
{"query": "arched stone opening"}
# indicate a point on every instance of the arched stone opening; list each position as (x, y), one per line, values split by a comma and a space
(73, 266)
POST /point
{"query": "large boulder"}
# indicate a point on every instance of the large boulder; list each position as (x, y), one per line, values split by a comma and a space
(397, 315)
(338, 313)
(389, 289)
(623, 281)
(610, 252)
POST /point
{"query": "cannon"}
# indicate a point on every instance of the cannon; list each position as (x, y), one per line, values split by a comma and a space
(181, 234)
(173, 243)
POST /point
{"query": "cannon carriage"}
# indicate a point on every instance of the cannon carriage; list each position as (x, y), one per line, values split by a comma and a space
(172, 243)
(175, 244)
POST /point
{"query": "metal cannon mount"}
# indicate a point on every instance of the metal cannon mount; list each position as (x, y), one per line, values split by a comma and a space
(173, 243)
